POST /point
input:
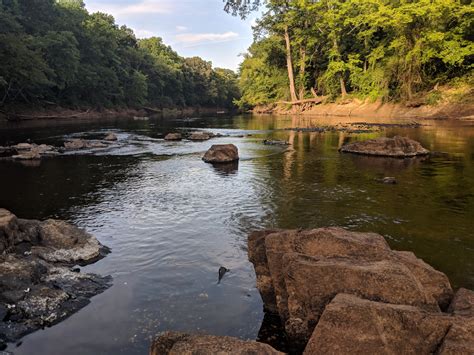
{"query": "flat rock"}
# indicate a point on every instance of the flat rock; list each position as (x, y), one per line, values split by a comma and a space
(200, 136)
(351, 325)
(173, 137)
(221, 153)
(397, 147)
(175, 343)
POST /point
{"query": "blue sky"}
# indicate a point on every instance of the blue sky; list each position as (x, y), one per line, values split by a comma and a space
(199, 27)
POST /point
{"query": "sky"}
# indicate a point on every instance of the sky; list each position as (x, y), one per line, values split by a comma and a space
(192, 27)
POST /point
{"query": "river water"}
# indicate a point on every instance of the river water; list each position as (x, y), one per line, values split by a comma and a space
(172, 220)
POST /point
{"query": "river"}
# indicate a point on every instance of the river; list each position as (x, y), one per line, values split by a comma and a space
(172, 220)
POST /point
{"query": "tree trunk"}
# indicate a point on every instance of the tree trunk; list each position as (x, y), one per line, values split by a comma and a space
(343, 86)
(289, 65)
(302, 72)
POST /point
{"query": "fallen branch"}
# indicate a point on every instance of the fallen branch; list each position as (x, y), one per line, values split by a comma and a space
(316, 100)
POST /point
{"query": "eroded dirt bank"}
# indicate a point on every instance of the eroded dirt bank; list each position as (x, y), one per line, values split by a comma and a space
(358, 108)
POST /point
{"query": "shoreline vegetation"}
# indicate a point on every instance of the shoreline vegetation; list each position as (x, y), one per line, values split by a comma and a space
(411, 53)
(55, 54)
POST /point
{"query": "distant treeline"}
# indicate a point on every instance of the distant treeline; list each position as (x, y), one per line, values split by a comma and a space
(378, 49)
(53, 52)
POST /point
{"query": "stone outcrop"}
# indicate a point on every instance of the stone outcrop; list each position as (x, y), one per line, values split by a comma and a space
(38, 286)
(299, 272)
(396, 147)
(221, 153)
(175, 343)
(173, 137)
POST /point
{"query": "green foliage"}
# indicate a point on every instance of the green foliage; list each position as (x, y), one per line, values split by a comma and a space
(55, 51)
(376, 49)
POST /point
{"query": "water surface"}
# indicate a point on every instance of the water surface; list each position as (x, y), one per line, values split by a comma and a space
(172, 220)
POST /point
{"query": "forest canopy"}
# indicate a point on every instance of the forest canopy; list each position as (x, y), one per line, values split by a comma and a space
(55, 52)
(376, 49)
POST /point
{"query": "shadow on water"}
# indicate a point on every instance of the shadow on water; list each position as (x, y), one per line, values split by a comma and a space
(173, 220)
(226, 169)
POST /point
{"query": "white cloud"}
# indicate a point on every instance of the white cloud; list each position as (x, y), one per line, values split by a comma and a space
(198, 38)
(144, 33)
(181, 28)
(145, 7)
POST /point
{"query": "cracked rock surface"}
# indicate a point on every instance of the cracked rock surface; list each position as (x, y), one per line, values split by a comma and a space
(38, 286)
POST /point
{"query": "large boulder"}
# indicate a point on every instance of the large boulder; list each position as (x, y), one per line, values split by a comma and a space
(221, 153)
(351, 325)
(300, 271)
(397, 147)
(175, 343)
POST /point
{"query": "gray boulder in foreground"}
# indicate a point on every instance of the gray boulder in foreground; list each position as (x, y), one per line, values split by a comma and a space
(221, 153)
(396, 147)
(176, 343)
(38, 288)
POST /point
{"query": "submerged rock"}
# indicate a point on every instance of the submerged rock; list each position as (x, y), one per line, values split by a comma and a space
(173, 137)
(37, 287)
(388, 180)
(110, 137)
(221, 153)
(274, 142)
(300, 271)
(397, 147)
(176, 343)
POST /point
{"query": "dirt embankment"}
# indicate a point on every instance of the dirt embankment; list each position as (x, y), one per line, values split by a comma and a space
(358, 108)
(22, 114)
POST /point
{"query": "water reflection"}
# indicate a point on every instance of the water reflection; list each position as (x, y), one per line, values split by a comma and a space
(172, 219)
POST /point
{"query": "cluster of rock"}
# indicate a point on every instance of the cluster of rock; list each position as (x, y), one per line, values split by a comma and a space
(337, 291)
(28, 151)
(39, 285)
(396, 147)
(32, 151)
(79, 143)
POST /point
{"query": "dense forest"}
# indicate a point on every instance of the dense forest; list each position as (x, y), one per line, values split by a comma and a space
(371, 49)
(53, 52)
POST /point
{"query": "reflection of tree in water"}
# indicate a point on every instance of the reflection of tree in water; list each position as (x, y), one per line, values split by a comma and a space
(60, 183)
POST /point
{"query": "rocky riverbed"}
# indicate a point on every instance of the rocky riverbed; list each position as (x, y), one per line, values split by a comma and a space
(40, 282)
(340, 292)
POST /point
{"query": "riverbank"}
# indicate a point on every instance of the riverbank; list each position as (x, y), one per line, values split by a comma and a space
(37, 113)
(360, 108)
